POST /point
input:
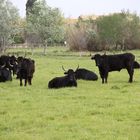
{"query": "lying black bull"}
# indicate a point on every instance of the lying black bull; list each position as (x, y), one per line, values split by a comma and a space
(85, 74)
(108, 63)
(68, 80)
(136, 65)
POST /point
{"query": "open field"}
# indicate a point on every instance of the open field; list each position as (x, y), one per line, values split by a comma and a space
(92, 111)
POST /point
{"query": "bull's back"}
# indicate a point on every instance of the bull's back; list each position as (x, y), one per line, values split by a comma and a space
(85, 74)
(120, 61)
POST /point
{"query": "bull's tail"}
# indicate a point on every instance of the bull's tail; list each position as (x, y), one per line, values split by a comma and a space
(136, 65)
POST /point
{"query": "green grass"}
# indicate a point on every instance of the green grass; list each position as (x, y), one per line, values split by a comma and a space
(92, 111)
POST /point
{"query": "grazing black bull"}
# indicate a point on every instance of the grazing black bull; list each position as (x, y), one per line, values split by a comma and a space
(85, 74)
(108, 63)
(68, 80)
(25, 70)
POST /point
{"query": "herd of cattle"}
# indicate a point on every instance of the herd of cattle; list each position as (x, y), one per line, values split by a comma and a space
(24, 68)
(105, 63)
(20, 66)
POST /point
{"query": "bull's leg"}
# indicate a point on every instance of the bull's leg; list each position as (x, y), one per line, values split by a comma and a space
(75, 84)
(25, 82)
(102, 80)
(20, 81)
(106, 76)
(30, 81)
(102, 77)
(106, 80)
(130, 72)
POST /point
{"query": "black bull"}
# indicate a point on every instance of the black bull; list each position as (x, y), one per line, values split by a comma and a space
(9, 62)
(108, 63)
(25, 70)
(68, 80)
(5, 74)
(85, 74)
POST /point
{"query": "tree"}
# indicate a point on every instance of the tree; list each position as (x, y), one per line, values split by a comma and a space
(45, 23)
(119, 28)
(8, 21)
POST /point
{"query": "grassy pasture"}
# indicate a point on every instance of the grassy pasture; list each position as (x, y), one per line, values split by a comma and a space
(92, 111)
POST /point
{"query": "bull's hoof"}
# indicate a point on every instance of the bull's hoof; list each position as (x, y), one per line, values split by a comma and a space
(130, 81)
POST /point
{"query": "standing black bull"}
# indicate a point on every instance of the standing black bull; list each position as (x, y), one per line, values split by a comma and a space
(85, 74)
(108, 63)
(68, 80)
(25, 70)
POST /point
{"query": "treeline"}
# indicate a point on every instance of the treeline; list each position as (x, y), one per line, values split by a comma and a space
(118, 31)
(44, 25)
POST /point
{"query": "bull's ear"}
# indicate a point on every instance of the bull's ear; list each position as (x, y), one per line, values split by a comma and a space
(93, 57)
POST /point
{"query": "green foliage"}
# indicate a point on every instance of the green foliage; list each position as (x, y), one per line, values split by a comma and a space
(18, 39)
(90, 111)
(8, 19)
(108, 26)
(123, 27)
(46, 23)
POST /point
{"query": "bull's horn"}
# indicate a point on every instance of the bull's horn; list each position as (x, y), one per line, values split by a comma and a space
(16, 62)
(10, 64)
(77, 67)
(63, 68)
(3, 65)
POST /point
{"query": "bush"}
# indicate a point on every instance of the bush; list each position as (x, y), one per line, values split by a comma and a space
(76, 39)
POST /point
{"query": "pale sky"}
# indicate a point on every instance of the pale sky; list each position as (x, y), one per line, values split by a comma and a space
(75, 8)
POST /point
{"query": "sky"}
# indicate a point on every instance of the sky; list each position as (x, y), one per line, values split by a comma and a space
(75, 8)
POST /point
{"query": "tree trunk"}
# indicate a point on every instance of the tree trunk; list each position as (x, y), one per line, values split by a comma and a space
(3, 45)
(44, 50)
(123, 46)
(32, 49)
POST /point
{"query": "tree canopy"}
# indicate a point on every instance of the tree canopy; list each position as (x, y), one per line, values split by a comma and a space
(8, 23)
(45, 23)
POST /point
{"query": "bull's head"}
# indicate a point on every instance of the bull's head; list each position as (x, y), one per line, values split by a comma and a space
(70, 73)
(98, 59)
